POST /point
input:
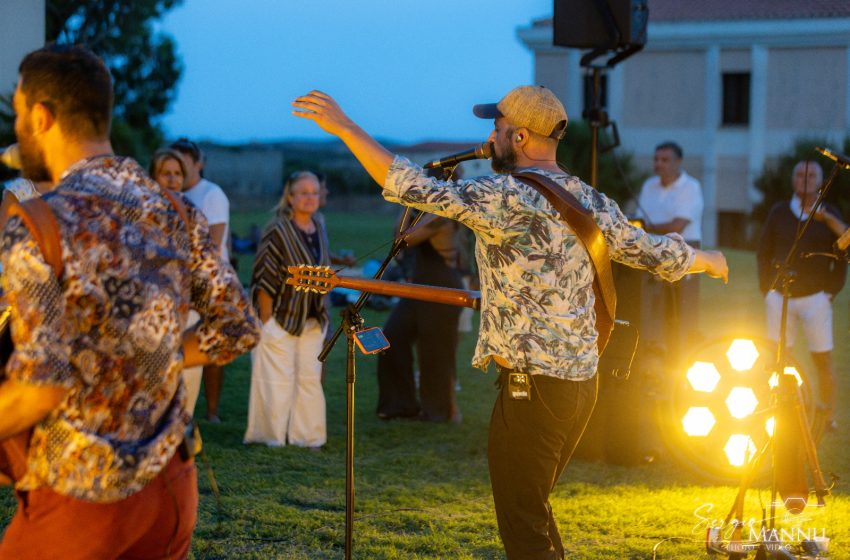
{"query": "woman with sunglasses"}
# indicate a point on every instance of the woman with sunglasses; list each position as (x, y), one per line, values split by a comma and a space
(287, 403)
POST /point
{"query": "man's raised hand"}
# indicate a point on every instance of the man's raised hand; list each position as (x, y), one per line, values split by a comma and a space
(321, 108)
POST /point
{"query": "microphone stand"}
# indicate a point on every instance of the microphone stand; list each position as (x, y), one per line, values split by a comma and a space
(352, 322)
(786, 393)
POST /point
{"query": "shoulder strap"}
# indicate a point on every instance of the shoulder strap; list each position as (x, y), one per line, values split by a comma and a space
(41, 223)
(177, 204)
(580, 219)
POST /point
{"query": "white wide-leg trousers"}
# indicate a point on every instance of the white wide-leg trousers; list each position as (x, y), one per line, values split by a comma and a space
(287, 403)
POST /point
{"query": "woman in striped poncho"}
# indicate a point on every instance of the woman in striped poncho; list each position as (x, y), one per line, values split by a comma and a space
(287, 404)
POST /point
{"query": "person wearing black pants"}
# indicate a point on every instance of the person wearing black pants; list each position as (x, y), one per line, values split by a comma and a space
(547, 427)
(537, 297)
(431, 326)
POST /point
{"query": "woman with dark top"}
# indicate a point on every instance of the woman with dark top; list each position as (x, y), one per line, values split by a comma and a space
(287, 404)
(431, 327)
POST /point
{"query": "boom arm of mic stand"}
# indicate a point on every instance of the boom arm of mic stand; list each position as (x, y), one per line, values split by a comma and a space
(397, 246)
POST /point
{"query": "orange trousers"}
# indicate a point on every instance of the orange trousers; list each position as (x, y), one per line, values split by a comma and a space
(156, 522)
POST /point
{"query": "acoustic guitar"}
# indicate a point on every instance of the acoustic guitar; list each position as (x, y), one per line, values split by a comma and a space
(323, 279)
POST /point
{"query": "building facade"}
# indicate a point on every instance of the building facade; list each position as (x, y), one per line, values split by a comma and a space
(22, 28)
(734, 83)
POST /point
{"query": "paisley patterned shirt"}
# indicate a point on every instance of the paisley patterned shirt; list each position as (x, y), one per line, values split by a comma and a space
(110, 329)
(536, 277)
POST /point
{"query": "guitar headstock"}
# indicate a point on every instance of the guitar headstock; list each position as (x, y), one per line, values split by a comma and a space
(320, 279)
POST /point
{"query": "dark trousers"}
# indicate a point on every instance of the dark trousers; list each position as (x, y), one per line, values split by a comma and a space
(530, 443)
(432, 327)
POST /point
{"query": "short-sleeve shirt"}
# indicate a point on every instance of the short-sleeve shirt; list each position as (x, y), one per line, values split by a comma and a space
(682, 199)
(536, 277)
(215, 206)
(110, 329)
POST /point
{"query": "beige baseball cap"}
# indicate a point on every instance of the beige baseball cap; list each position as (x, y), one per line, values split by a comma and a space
(533, 107)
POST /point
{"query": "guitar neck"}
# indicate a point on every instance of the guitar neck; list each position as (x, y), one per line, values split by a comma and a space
(448, 296)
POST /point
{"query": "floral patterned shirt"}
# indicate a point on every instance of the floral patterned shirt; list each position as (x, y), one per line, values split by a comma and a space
(536, 277)
(110, 329)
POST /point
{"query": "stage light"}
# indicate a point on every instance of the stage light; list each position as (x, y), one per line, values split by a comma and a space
(741, 402)
(718, 412)
(698, 421)
(742, 354)
(703, 376)
(739, 449)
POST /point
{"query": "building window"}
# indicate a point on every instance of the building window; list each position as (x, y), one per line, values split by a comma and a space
(588, 92)
(736, 98)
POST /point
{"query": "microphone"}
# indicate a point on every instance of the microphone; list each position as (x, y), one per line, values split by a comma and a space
(838, 158)
(482, 151)
(11, 157)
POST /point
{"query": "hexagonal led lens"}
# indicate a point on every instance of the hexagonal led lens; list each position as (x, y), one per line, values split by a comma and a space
(742, 354)
(698, 421)
(741, 402)
(703, 376)
(739, 448)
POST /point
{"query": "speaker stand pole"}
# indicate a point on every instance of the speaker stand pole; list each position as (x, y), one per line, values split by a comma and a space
(598, 118)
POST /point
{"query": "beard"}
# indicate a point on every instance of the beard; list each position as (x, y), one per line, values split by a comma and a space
(33, 162)
(504, 158)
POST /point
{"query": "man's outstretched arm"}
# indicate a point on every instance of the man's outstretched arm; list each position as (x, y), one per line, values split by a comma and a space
(712, 263)
(323, 110)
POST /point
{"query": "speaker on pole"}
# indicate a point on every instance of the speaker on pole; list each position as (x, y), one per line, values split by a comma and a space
(600, 24)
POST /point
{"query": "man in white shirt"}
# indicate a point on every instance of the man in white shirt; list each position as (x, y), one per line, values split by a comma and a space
(671, 202)
(213, 203)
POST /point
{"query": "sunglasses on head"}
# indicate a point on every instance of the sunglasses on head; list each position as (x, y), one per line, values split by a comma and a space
(187, 146)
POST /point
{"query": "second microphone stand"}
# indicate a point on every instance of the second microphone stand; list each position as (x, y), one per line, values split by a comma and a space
(791, 420)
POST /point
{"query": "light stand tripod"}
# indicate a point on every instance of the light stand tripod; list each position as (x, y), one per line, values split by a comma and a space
(790, 420)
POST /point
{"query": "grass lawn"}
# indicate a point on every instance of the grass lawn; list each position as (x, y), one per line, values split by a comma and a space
(423, 490)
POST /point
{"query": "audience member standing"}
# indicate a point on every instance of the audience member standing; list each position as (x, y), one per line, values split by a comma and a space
(212, 201)
(671, 202)
(168, 169)
(93, 388)
(287, 403)
(432, 327)
(817, 278)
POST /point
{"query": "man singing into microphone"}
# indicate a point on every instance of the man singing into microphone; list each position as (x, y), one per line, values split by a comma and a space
(537, 312)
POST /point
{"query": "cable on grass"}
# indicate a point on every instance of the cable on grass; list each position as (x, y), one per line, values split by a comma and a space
(668, 539)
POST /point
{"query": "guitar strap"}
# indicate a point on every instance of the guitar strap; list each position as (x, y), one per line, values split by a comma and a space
(41, 223)
(37, 216)
(581, 221)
